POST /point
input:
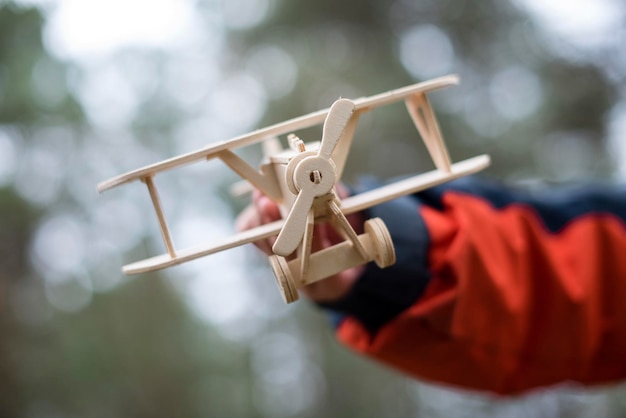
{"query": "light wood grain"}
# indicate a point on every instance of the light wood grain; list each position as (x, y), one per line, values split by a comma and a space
(423, 116)
(284, 278)
(342, 256)
(158, 209)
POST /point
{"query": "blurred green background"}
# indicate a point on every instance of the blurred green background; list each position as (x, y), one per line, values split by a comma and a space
(90, 89)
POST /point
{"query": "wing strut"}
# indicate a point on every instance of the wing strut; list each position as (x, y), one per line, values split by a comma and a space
(424, 119)
(156, 202)
(263, 181)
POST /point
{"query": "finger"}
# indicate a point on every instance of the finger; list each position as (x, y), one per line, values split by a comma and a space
(334, 287)
(320, 238)
(341, 190)
(247, 219)
(268, 209)
(265, 246)
(251, 218)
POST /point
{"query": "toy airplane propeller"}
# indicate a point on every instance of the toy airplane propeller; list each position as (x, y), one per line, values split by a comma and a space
(301, 179)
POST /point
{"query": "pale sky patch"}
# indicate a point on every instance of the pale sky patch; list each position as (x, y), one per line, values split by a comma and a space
(79, 28)
(585, 23)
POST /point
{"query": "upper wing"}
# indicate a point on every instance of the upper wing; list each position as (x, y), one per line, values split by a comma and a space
(295, 124)
(306, 121)
(371, 102)
(182, 256)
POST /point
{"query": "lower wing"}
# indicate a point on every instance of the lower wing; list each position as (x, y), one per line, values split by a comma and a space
(165, 260)
(349, 205)
(413, 184)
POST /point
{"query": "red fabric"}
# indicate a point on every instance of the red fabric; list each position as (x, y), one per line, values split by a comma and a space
(511, 306)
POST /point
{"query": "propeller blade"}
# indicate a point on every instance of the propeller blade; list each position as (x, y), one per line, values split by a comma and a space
(295, 224)
(292, 231)
(338, 117)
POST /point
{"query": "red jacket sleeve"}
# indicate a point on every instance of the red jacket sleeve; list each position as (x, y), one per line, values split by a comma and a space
(497, 290)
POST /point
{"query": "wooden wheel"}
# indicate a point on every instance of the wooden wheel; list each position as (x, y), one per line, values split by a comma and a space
(284, 279)
(384, 253)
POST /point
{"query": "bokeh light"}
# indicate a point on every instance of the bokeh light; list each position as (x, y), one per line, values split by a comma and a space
(589, 24)
(426, 52)
(516, 93)
(275, 68)
(59, 248)
(617, 139)
(8, 156)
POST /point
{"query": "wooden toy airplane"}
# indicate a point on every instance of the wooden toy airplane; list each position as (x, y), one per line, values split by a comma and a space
(301, 179)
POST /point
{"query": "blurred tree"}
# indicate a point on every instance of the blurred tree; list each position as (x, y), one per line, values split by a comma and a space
(23, 64)
(136, 351)
(15, 229)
